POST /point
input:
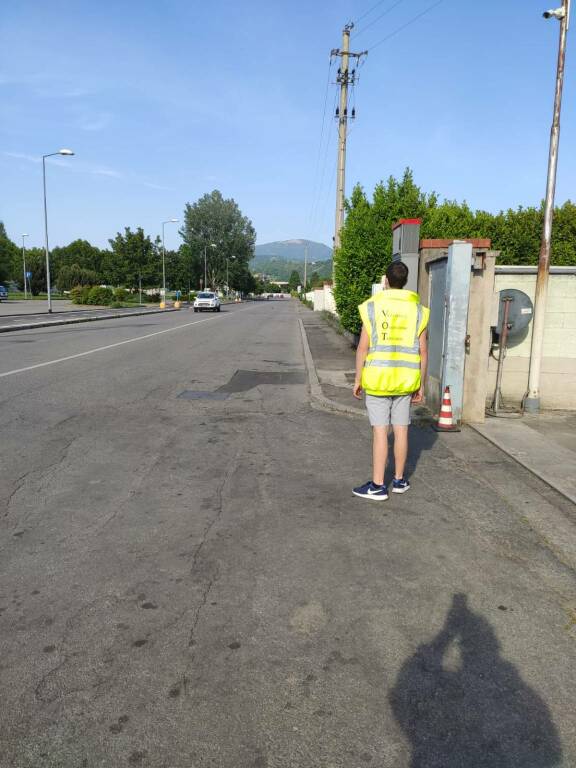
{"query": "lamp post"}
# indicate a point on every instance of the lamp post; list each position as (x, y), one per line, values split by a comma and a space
(66, 153)
(168, 221)
(24, 235)
(532, 399)
(212, 245)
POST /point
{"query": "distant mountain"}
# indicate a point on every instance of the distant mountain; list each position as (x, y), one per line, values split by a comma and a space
(278, 269)
(290, 250)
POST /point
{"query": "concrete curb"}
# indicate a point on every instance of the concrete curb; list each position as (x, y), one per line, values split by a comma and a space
(74, 320)
(518, 460)
(318, 398)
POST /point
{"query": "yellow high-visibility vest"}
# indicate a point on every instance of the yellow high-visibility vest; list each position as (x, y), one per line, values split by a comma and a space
(394, 320)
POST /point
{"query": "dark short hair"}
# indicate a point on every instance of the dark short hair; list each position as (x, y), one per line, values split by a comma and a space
(397, 274)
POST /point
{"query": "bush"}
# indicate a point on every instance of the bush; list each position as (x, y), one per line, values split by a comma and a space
(152, 297)
(100, 295)
(120, 294)
(79, 294)
(116, 305)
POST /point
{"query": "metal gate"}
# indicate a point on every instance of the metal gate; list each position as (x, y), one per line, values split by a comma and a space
(436, 332)
(449, 298)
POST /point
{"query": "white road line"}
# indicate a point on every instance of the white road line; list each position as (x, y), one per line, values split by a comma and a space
(116, 344)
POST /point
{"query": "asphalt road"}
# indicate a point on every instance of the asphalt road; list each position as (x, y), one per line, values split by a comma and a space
(186, 580)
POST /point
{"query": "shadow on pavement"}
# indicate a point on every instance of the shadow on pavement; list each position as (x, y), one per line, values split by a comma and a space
(420, 439)
(462, 705)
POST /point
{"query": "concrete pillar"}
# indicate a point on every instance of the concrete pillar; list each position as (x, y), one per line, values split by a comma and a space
(476, 374)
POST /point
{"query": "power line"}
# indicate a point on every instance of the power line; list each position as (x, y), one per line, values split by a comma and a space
(371, 23)
(330, 189)
(369, 11)
(324, 166)
(408, 23)
(319, 155)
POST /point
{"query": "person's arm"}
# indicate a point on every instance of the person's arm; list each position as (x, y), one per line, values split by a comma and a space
(418, 397)
(361, 353)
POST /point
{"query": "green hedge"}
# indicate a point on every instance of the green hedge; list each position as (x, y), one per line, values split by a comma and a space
(95, 295)
(366, 238)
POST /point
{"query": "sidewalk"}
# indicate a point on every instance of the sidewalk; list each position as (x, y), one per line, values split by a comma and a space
(34, 307)
(545, 444)
(333, 361)
(29, 317)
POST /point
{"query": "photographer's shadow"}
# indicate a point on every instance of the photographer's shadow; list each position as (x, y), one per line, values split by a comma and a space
(462, 705)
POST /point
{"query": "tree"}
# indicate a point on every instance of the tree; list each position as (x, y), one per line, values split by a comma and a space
(241, 279)
(564, 235)
(315, 281)
(294, 280)
(80, 253)
(69, 277)
(215, 220)
(9, 253)
(183, 268)
(366, 240)
(36, 265)
(133, 257)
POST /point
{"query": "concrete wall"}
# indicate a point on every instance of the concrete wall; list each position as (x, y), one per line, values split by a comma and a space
(558, 381)
(324, 299)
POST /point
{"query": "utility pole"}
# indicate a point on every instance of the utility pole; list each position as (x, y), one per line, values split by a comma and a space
(345, 78)
(532, 399)
(305, 267)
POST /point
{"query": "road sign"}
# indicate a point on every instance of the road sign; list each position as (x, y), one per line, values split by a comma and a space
(28, 275)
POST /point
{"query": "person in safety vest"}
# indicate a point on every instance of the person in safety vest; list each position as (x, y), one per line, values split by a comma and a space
(391, 362)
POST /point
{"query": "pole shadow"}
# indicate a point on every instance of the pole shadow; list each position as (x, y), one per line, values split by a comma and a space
(462, 705)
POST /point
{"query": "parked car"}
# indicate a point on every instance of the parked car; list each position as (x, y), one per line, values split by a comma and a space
(3, 293)
(207, 300)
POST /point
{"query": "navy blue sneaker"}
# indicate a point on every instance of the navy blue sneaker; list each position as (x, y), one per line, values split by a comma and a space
(371, 491)
(400, 486)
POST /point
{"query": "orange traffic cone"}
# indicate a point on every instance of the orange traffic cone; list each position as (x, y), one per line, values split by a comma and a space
(445, 421)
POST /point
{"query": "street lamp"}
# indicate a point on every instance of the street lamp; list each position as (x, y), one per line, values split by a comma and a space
(168, 221)
(532, 398)
(66, 153)
(212, 245)
(24, 264)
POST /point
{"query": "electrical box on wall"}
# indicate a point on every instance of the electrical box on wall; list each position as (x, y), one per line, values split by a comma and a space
(405, 247)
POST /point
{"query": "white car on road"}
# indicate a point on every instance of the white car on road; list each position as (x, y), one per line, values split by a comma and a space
(207, 300)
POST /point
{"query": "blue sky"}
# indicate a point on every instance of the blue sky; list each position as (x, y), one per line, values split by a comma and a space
(163, 101)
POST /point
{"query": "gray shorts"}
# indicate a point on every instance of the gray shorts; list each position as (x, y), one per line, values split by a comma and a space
(383, 411)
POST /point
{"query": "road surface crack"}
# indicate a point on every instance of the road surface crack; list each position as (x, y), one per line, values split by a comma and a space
(220, 501)
(199, 609)
(17, 486)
